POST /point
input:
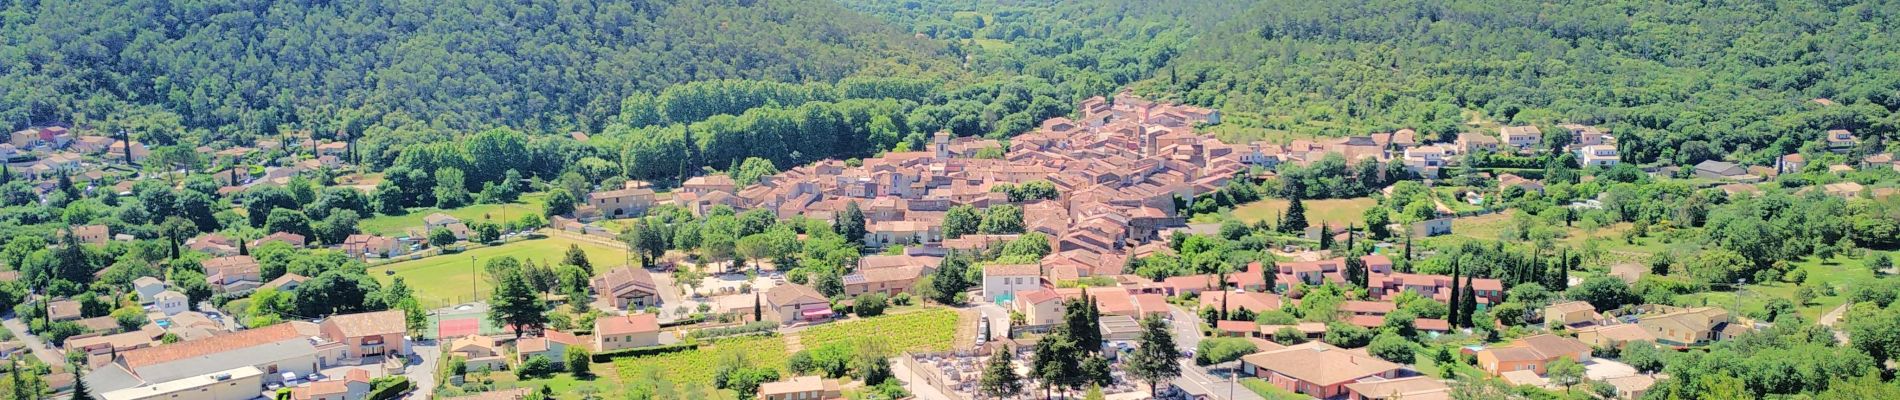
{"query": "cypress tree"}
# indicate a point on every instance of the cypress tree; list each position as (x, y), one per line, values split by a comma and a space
(1470, 299)
(1452, 304)
(1269, 273)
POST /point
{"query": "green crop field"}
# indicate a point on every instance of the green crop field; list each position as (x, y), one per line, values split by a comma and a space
(1336, 212)
(927, 330)
(446, 279)
(696, 366)
(395, 225)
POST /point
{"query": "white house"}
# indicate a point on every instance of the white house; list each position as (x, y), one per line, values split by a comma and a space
(148, 288)
(1005, 282)
(1601, 155)
(171, 302)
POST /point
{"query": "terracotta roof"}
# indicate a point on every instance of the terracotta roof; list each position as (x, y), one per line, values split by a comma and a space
(620, 325)
(1013, 270)
(1320, 363)
(182, 350)
(369, 323)
(792, 293)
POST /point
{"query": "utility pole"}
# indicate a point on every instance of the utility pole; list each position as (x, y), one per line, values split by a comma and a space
(475, 281)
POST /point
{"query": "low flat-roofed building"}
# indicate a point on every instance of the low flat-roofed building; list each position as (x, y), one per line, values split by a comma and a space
(241, 383)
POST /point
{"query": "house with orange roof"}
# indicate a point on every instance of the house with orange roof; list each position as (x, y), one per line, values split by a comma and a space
(353, 386)
(369, 336)
(553, 343)
(627, 288)
(626, 332)
(1531, 354)
(1318, 369)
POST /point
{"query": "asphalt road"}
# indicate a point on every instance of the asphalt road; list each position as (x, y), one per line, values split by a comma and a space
(1197, 380)
(49, 356)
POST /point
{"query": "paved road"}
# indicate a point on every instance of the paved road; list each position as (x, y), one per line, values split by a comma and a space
(915, 384)
(47, 355)
(1195, 379)
(423, 373)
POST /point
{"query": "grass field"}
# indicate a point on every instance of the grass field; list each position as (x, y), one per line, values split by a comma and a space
(926, 330)
(444, 280)
(1841, 273)
(696, 366)
(1336, 212)
(397, 224)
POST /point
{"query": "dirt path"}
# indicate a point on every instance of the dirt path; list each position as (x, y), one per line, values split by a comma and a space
(1832, 319)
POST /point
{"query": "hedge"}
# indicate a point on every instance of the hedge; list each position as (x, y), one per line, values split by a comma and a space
(609, 356)
(388, 390)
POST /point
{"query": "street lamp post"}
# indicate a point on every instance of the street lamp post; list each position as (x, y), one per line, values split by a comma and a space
(474, 284)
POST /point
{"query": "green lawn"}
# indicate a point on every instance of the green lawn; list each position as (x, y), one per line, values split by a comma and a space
(926, 330)
(1842, 273)
(1268, 391)
(1336, 212)
(445, 279)
(395, 225)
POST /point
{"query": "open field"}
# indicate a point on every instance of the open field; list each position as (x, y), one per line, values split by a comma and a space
(445, 279)
(926, 330)
(1842, 273)
(1336, 212)
(395, 225)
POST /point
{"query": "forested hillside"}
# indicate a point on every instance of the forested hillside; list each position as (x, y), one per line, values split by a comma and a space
(1678, 81)
(254, 66)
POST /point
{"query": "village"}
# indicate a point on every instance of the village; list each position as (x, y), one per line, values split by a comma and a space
(1101, 191)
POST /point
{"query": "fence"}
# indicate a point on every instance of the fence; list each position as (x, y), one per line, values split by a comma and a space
(930, 375)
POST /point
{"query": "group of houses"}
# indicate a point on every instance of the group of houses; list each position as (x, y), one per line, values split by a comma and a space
(224, 363)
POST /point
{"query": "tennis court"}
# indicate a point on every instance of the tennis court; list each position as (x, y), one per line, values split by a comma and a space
(464, 320)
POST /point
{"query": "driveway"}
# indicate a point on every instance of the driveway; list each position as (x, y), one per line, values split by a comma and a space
(422, 374)
(40, 351)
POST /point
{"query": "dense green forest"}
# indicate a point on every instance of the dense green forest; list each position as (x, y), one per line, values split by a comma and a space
(249, 67)
(1678, 81)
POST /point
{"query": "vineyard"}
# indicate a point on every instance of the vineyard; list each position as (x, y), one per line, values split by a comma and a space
(696, 367)
(929, 330)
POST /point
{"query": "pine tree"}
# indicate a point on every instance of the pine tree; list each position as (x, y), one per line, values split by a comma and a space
(515, 304)
(244, 249)
(1295, 220)
(80, 392)
(1154, 360)
(999, 376)
(758, 308)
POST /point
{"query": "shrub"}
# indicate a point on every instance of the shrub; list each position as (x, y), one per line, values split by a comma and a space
(869, 305)
(536, 367)
(387, 388)
(609, 356)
